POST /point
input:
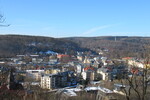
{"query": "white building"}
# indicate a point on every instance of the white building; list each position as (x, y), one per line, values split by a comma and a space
(37, 60)
(52, 81)
(88, 73)
(135, 63)
(104, 59)
(104, 74)
(48, 81)
(35, 74)
(79, 68)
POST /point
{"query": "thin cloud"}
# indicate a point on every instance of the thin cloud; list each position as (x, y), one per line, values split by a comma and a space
(92, 30)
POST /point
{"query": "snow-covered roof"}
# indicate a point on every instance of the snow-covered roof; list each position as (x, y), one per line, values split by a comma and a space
(105, 90)
(74, 89)
(2, 62)
(71, 92)
(20, 55)
(119, 85)
(35, 70)
(91, 88)
(95, 82)
(51, 52)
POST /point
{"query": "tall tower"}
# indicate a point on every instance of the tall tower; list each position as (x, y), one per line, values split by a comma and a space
(115, 38)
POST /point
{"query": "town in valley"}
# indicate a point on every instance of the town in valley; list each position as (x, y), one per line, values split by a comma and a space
(55, 76)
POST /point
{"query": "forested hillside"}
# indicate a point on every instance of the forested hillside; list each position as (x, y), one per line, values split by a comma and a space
(122, 46)
(10, 45)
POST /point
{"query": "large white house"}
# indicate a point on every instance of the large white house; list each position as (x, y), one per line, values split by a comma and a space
(35, 74)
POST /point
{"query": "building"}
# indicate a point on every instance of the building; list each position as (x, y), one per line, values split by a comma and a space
(105, 94)
(88, 73)
(53, 61)
(79, 68)
(105, 75)
(37, 60)
(63, 58)
(88, 60)
(51, 71)
(135, 63)
(119, 88)
(80, 57)
(35, 74)
(52, 81)
(48, 81)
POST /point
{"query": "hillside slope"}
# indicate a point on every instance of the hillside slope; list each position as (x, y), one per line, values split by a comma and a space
(120, 46)
(10, 45)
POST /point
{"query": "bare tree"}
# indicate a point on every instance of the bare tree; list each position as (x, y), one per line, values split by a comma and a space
(2, 19)
(138, 81)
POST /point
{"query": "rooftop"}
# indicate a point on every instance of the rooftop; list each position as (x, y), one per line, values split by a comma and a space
(105, 90)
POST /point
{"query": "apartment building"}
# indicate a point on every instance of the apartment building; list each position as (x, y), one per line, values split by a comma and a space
(35, 74)
(48, 81)
(52, 81)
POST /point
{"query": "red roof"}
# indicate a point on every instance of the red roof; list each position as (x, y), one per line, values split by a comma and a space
(62, 55)
(88, 68)
(127, 58)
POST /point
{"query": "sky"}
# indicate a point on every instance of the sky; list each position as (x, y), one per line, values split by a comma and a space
(69, 18)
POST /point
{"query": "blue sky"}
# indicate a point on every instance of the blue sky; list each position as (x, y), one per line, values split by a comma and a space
(68, 18)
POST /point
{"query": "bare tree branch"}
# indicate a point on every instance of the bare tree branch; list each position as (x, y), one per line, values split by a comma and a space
(2, 20)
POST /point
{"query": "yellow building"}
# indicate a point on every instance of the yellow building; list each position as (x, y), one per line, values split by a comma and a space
(52, 71)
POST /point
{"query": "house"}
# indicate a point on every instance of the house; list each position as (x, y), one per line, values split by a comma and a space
(53, 61)
(35, 74)
(63, 58)
(101, 52)
(34, 55)
(88, 60)
(104, 60)
(127, 58)
(79, 68)
(79, 53)
(51, 71)
(132, 62)
(37, 60)
(88, 73)
(119, 88)
(80, 57)
(105, 94)
(135, 63)
(105, 74)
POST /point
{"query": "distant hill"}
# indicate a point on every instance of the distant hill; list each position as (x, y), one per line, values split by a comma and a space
(120, 46)
(10, 45)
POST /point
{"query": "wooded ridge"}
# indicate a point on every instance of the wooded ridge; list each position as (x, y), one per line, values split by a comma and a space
(119, 46)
